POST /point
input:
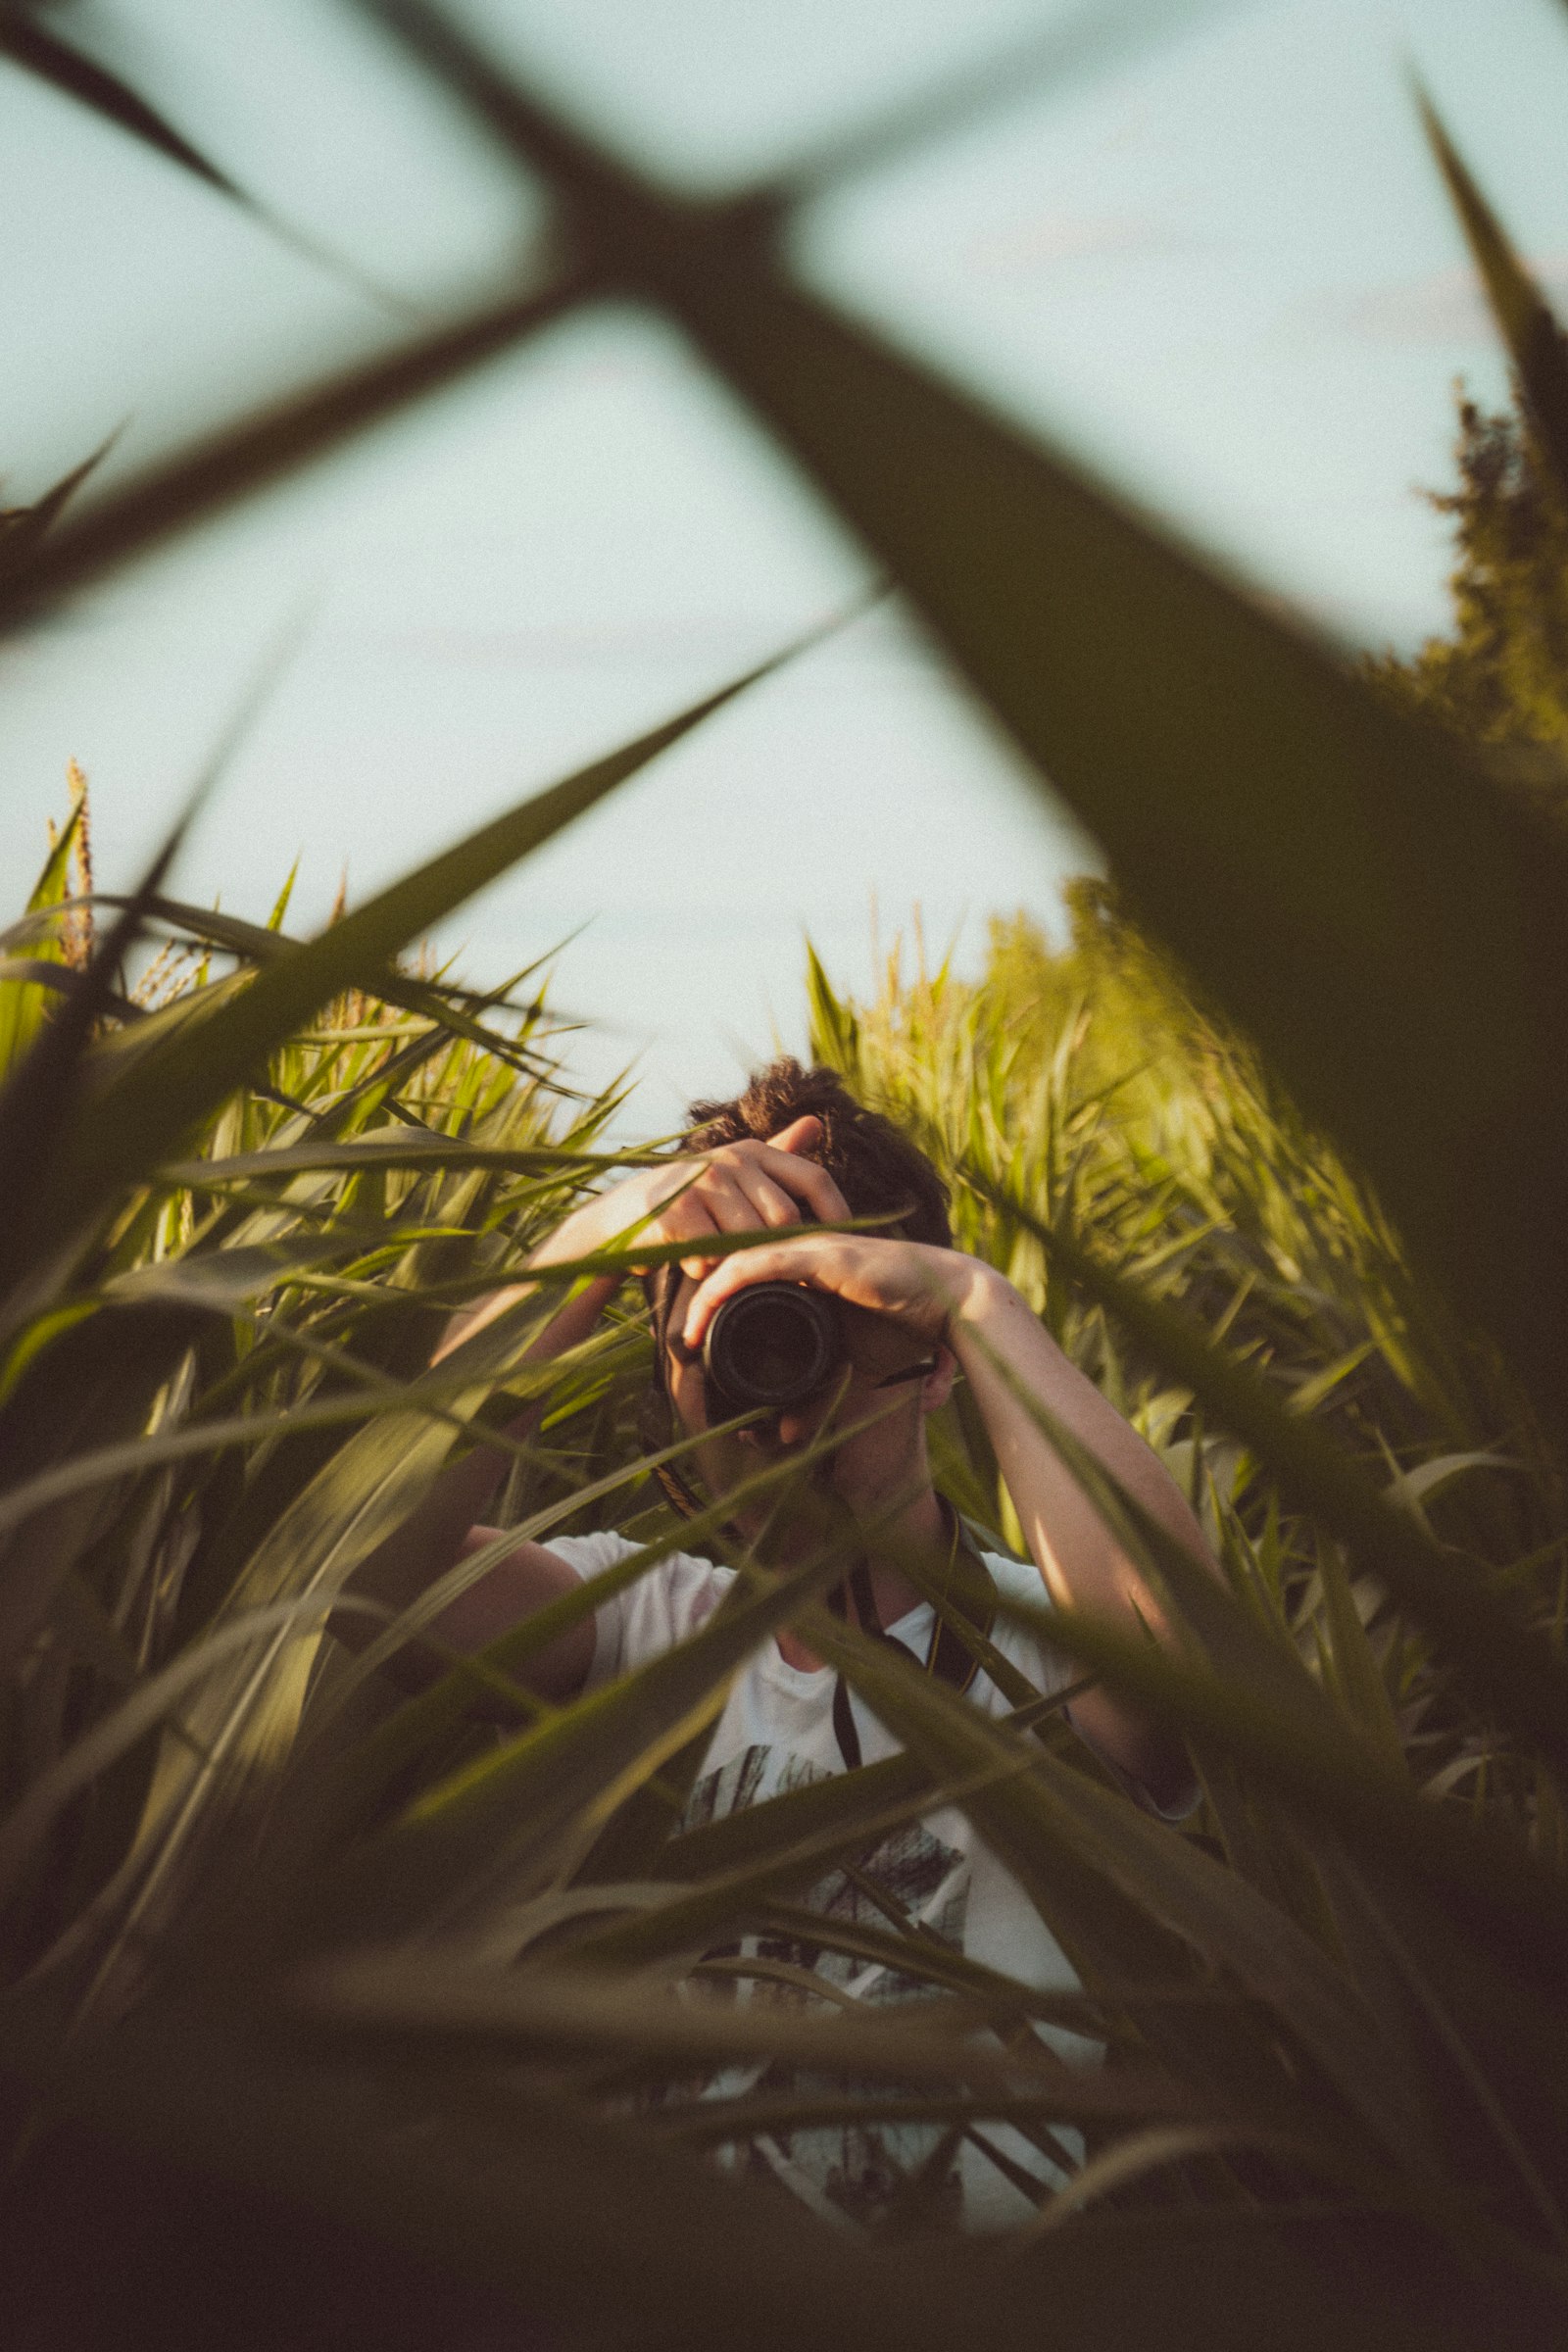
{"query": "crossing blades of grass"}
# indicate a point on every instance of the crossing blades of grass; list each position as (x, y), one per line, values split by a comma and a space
(151, 508)
(1327, 868)
(128, 1129)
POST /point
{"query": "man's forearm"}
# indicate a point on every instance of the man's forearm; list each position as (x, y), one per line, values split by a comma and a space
(1008, 1356)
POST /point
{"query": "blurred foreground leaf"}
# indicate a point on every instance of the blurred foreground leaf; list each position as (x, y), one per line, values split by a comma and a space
(1352, 887)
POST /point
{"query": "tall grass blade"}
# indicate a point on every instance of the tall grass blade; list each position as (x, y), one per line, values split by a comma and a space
(42, 53)
(1086, 41)
(143, 1119)
(23, 528)
(153, 1700)
(23, 999)
(1513, 1671)
(238, 460)
(413, 1996)
(1535, 342)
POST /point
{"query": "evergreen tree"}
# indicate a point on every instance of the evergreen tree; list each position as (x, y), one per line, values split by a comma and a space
(1501, 678)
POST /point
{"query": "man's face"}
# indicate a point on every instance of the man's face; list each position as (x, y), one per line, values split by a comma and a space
(873, 1471)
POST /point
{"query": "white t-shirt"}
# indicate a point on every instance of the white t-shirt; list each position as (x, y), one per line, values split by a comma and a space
(776, 1732)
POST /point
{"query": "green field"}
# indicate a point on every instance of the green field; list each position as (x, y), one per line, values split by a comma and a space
(332, 2017)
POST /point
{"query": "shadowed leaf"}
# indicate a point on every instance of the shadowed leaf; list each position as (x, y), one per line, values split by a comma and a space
(1326, 868)
(43, 54)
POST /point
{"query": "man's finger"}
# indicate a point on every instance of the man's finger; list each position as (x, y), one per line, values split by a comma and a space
(821, 1259)
(730, 1200)
(803, 1134)
(685, 1219)
(769, 1203)
(803, 1181)
(736, 1201)
(730, 1274)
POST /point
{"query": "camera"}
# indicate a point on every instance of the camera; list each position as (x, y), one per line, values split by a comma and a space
(772, 1346)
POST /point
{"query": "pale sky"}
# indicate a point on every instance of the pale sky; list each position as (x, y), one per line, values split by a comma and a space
(1217, 266)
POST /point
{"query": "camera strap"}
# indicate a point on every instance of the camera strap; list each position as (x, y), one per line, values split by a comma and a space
(968, 1587)
(970, 1591)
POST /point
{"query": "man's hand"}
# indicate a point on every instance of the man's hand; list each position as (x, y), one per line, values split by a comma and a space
(918, 1289)
(921, 1298)
(736, 1188)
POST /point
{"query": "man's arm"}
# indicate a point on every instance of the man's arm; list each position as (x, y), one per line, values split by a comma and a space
(999, 1342)
(947, 1299)
(738, 1187)
(447, 1525)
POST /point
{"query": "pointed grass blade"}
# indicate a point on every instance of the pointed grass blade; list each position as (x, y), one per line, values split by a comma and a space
(1086, 40)
(1535, 342)
(43, 54)
(121, 1136)
(23, 1000)
(1327, 868)
(445, 1003)
(23, 528)
(46, 1095)
(42, 1092)
(155, 507)
(49, 59)
(1512, 1670)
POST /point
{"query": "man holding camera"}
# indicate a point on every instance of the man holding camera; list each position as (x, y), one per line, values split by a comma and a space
(900, 1314)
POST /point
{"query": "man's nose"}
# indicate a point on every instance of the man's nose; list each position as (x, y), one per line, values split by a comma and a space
(796, 1424)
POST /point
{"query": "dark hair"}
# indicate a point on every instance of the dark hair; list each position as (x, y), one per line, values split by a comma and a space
(874, 1162)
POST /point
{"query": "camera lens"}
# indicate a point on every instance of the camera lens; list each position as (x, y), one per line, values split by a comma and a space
(772, 1346)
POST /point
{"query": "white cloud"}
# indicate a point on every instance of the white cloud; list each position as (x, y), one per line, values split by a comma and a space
(1029, 247)
(1446, 306)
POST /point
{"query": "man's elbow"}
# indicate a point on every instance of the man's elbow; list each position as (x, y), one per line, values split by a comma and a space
(1143, 1751)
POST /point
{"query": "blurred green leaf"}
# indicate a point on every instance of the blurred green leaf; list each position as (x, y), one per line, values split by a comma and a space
(1325, 867)
(1081, 42)
(413, 1997)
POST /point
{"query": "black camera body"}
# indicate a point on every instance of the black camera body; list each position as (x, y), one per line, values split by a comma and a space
(772, 1346)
